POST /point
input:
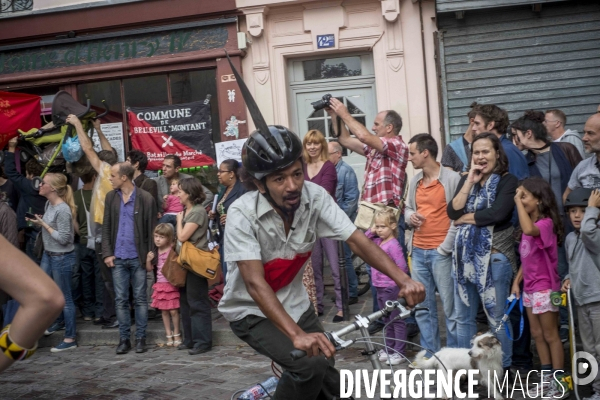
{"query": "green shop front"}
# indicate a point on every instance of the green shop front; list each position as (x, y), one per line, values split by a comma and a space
(152, 69)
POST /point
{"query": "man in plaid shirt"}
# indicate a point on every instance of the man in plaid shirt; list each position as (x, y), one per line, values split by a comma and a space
(385, 171)
(386, 152)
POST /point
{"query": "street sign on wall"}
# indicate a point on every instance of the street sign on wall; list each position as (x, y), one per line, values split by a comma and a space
(325, 41)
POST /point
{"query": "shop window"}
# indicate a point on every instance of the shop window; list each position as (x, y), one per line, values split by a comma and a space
(159, 90)
(194, 86)
(327, 68)
(146, 91)
(110, 91)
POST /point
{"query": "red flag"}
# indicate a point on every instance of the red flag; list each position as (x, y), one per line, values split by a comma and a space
(18, 111)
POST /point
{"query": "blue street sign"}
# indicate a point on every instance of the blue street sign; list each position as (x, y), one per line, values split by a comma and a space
(325, 41)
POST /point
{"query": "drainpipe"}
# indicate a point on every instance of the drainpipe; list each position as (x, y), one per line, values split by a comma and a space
(424, 65)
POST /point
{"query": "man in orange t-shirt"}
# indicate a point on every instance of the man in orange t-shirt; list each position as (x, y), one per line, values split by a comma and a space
(431, 238)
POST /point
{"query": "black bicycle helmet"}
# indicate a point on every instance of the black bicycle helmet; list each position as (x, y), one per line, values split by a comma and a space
(578, 197)
(265, 153)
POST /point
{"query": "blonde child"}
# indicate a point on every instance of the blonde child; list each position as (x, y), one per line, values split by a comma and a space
(165, 296)
(384, 233)
(171, 204)
(542, 232)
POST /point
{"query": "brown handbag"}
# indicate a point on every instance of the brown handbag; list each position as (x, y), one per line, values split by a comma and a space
(173, 271)
(201, 262)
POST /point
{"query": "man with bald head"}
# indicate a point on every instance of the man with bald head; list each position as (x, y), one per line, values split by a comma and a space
(346, 194)
(587, 173)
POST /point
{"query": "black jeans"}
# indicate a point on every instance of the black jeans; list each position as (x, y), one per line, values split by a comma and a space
(304, 379)
(108, 295)
(92, 284)
(196, 312)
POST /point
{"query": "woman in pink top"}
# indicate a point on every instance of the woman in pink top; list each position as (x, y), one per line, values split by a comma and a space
(542, 232)
(318, 169)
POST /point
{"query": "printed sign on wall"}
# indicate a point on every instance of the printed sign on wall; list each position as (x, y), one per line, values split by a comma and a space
(232, 149)
(181, 129)
(114, 134)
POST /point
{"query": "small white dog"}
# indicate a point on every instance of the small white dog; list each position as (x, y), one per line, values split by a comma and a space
(485, 355)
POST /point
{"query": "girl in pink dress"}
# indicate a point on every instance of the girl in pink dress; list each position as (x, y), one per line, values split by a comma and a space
(165, 296)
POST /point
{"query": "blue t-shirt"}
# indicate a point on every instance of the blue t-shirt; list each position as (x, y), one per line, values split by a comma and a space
(517, 164)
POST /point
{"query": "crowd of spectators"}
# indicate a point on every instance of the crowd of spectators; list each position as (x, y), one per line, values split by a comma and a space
(466, 225)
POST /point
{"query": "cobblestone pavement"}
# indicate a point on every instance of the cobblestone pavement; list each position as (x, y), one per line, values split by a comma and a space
(96, 372)
(162, 373)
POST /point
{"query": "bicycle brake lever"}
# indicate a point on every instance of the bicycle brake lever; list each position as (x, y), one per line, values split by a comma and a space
(339, 342)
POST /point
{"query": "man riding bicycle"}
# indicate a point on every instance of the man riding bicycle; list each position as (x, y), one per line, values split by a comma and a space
(269, 238)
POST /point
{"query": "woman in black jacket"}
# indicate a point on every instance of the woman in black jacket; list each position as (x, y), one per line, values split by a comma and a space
(232, 189)
(484, 260)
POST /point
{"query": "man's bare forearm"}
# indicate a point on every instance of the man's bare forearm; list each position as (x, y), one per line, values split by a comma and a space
(104, 143)
(344, 137)
(84, 140)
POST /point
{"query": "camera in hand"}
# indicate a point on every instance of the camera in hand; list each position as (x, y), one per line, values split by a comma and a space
(320, 104)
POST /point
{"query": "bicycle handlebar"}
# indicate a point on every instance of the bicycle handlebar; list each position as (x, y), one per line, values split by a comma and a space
(390, 306)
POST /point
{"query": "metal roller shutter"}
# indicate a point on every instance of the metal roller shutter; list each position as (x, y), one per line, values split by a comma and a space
(521, 60)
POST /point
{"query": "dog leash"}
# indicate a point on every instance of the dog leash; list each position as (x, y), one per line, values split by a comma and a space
(510, 304)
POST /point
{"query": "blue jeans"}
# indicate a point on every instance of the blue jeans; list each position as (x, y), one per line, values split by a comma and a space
(59, 269)
(467, 327)
(352, 279)
(434, 271)
(168, 219)
(123, 272)
(92, 285)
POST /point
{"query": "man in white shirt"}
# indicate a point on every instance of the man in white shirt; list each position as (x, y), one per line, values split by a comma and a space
(270, 235)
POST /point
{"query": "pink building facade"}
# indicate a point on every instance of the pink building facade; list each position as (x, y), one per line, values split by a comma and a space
(375, 55)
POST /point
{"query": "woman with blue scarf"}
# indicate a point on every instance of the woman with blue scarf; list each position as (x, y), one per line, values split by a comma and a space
(484, 260)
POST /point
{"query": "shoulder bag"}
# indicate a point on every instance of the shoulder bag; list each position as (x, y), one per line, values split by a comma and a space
(173, 271)
(201, 262)
(366, 211)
